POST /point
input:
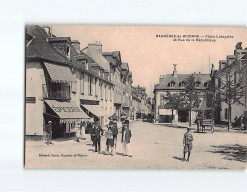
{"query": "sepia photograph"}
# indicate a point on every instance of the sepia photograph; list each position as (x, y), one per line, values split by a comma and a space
(135, 97)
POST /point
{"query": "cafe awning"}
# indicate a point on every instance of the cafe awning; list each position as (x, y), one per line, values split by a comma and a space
(95, 110)
(59, 74)
(68, 112)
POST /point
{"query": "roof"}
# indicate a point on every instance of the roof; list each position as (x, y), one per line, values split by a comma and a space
(81, 67)
(59, 39)
(39, 47)
(230, 56)
(202, 78)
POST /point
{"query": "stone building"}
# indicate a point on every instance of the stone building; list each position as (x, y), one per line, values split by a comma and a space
(229, 71)
(175, 83)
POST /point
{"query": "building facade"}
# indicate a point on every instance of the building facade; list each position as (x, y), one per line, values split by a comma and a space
(232, 70)
(175, 83)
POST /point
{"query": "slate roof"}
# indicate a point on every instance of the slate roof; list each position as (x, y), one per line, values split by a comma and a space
(39, 47)
(202, 78)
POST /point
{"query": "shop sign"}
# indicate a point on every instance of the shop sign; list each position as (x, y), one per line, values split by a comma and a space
(66, 109)
(31, 100)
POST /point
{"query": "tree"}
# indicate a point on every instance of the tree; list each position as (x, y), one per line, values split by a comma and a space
(231, 89)
(172, 101)
(192, 98)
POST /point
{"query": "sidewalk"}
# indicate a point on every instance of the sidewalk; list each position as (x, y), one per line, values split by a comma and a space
(217, 128)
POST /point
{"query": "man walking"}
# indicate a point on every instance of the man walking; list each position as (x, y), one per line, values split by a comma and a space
(49, 132)
(126, 135)
(115, 133)
(98, 131)
(187, 143)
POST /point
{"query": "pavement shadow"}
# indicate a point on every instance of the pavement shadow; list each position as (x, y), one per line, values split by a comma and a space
(91, 150)
(120, 154)
(231, 152)
(178, 158)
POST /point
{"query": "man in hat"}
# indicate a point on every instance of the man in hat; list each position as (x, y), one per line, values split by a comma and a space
(97, 131)
(187, 143)
(115, 133)
(49, 132)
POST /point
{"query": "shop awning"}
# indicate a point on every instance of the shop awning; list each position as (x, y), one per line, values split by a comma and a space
(59, 74)
(95, 110)
(68, 112)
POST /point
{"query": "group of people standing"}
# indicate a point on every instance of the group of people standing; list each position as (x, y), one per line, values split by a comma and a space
(111, 135)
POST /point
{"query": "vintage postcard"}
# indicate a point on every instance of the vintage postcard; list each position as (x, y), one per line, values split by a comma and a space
(135, 97)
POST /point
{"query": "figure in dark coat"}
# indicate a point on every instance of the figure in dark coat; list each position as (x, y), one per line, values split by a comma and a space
(187, 143)
(97, 132)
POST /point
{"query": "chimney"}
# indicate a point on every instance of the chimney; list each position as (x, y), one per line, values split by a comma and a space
(76, 45)
(174, 70)
(160, 79)
(212, 69)
(95, 48)
(48, 30)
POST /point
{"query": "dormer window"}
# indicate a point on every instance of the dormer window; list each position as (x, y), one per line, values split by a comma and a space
(171, 84)
(206, 85)
(67, 51)
(197, 84)
(182, 84)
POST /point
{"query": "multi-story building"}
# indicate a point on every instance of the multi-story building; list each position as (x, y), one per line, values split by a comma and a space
(49, 84)
(116, 78)
(230, 71)
(105, 86)
(175, 83)
(127, 95)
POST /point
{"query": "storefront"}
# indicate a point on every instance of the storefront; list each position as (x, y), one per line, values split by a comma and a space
(96, 112)
(64, 116)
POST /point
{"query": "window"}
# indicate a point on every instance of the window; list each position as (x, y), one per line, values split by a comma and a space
(226, 113)
(206, 85)
(197, 84)
(171, 84)
(82, 83)
(235, 77)
(74, 86)
(96, 83)
(182, 84)
(89, 85)
(101, 91)
(67, 52)
(161, 100)
(219, 82)
(110, 93)
(106, 92)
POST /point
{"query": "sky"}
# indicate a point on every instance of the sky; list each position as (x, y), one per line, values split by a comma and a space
(149, 56)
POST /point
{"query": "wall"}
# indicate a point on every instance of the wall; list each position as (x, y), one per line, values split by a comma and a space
(34, 111)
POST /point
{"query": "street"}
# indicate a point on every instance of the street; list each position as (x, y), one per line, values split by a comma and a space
(153, 147)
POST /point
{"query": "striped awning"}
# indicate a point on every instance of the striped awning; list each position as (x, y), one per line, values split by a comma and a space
(59, 73)
(95, 110)
(68, 112)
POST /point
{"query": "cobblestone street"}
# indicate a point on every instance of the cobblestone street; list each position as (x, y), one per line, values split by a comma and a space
(153, 147)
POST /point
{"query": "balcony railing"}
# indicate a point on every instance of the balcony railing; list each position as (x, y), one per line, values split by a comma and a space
(56, 91)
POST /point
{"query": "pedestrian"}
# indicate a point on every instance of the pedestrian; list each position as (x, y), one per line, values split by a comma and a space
(126, 135)
(78, 132)
(109, 138)
(115, 133)
(49, 133)
(97, 131)
(83, 129)
(157, 121)
(198, 122)
(90, 127)
(187, 143)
